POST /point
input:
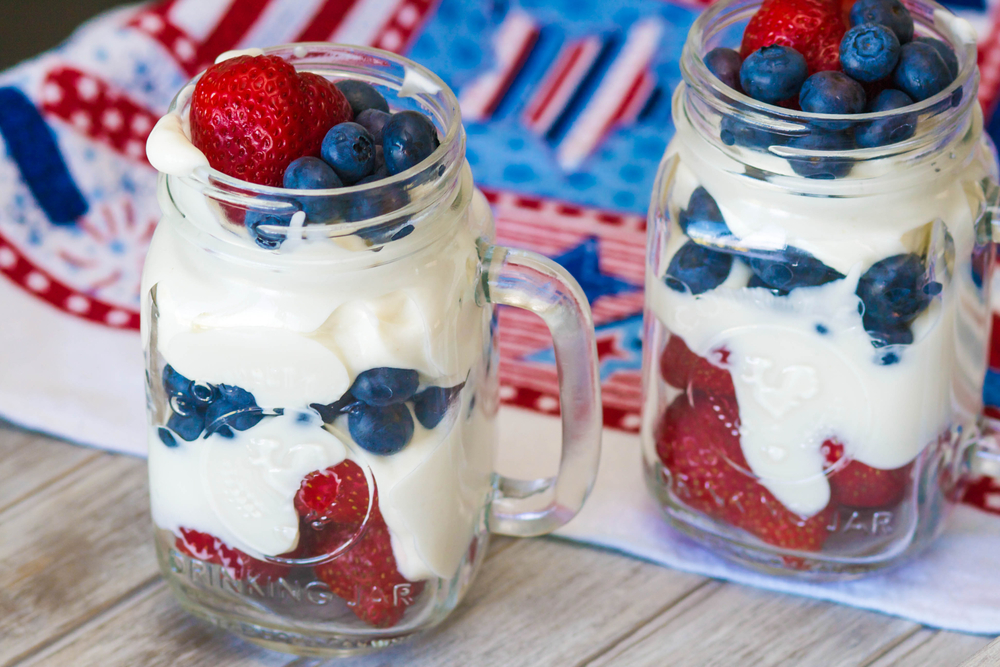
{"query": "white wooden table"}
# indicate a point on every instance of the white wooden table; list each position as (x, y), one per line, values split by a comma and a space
(79, 587)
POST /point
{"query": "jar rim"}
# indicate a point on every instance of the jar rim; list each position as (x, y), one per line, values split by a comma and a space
(926, 13)
(425, 183)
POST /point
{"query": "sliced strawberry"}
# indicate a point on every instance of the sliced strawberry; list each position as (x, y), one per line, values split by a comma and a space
(367, 578)
(757, 511)
(699, 443)
(239, 566)
(860, 485)
(683, 369)
(338, 494)
(252, 115)
(700, 452)
(814, 28)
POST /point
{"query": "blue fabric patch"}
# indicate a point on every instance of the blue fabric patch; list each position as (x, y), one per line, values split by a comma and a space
(31, 144)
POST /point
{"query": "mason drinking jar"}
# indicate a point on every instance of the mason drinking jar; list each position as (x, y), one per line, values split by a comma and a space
(322, 384)
(816, 315)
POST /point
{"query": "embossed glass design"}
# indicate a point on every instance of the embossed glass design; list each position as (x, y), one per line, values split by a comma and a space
(816, 320)
(322, 405)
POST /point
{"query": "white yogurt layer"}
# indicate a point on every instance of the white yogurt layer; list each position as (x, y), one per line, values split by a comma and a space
(295, 328)
(797, 386)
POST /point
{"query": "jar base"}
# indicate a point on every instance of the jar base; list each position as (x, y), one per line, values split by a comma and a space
(816, 567)
(291, 641)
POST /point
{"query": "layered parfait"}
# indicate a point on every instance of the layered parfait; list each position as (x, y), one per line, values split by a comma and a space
(817, 284)
(320, 439)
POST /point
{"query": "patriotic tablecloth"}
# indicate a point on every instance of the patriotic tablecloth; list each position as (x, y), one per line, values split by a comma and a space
(567, 109)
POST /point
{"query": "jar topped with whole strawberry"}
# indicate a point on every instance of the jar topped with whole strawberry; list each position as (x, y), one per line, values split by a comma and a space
(321, 353)
(818, 282)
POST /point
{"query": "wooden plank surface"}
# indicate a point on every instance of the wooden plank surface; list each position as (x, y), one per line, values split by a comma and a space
(72, 550)
(988, 657)
(29, 461)
(931, 648)
(758, 628)
(79, 586)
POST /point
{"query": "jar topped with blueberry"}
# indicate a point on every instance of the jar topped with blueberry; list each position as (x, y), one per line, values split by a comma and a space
(322, 370)
(821, 247)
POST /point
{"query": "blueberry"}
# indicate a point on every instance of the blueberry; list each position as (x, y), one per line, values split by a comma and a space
(408, 138)
(234, 407)
(890, 13)
(725, 65)
(166, 437)
(385, 386)
(381, 171)
(821, 166)
(702, 218)
(350, 150)
(176, 384)
(921, 72)
(697, 269)
(373, 120)
(891, 130)
(431, 405)
(188, 426)
(311, 173)
(389, 199)
(943, 50)
(265, 239)
(795, 268)
(832, 92)
(381, 430)
(362, 96)
(869, 52)
(736, 132)
(773, 73)
(894, 291)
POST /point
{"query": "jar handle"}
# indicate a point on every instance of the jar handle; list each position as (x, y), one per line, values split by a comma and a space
(527, 280)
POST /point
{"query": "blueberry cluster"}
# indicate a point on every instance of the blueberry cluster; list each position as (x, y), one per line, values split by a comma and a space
(375, 145)
(884, 68)
(199, 407)
(376, 407)
(892, 292)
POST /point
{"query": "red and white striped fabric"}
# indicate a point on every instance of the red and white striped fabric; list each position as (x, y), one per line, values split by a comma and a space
(512, 43)
(619, 97)
(560, 82)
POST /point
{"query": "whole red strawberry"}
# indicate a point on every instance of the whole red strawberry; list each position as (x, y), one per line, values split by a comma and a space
(252, 115)
(699, 444)
(238, 565)
(814, 28)
(860, 485)
(682, 368)
(367, 578)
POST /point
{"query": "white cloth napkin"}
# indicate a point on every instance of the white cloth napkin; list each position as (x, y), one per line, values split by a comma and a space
(954, 584)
